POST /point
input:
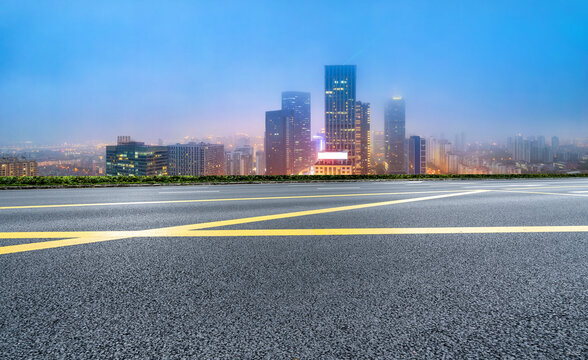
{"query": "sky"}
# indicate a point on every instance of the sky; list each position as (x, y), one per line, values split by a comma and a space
(76, 71)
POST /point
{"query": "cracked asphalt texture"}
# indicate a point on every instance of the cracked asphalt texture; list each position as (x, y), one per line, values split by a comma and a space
(504, 296)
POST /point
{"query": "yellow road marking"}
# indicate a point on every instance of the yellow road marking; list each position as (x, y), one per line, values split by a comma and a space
(89, 237)
(217, 200)
(384, 231)
(77, 238)
(305, 213)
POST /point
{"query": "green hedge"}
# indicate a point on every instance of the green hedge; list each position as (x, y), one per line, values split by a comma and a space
(123, 180)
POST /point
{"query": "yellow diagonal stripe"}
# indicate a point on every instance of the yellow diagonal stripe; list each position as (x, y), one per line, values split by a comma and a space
(80, 237)
(252, 219)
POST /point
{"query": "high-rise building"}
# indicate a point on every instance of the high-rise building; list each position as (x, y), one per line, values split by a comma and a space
(340, 109)
(555, 144)
(12, 166)
(136, 159)
(260, 162)
(417, 155)
(297, 105)
(240, 161)
(277, 144)
(362, 138)
(196, 159)
(395, 132)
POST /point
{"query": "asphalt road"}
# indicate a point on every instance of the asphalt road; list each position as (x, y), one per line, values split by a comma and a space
(406, 269)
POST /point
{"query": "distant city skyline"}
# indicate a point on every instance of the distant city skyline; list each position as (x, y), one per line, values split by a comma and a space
(73, 72)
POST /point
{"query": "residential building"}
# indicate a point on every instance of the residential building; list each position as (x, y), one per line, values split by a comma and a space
(196, 159)
(362, 138)
(12, 166)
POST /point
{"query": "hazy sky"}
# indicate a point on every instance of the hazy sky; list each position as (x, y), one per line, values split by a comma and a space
(90, 70)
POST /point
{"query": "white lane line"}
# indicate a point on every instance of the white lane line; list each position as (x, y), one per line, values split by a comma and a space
(188, 192)
(338, 188)
(579, 191)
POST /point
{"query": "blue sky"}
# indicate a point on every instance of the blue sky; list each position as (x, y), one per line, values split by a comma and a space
(75, 70)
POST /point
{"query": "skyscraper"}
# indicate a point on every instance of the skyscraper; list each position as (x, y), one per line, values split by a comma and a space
(277, 128)
(417, 155)
(340, 109)
(297, 105)
(362, 138)
(394, 129)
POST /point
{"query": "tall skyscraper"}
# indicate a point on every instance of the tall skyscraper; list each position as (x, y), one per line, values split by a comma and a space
(555, 144)
(277, 154)
(340, 109)
(395, 132)
(362, 138)
(297, 105)
(417, 155)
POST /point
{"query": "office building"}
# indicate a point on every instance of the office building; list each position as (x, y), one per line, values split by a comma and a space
(296, 105)
(340, 109)
(417, 155)
(12, 166)
(278, 157)
(196, 159)
(134, 158)
(395, 132)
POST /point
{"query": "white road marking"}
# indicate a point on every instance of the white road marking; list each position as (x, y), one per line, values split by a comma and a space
(338, 188)
(188, 192)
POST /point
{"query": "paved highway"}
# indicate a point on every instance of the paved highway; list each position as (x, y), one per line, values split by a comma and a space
(406, 269)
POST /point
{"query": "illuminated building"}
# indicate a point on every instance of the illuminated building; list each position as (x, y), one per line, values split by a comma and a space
(333, 163)
(196, 159)
(136, 159)
(394, 129)
(296, 105)
(362, 138)
(340, 109)
(11, 166)
(417, 155)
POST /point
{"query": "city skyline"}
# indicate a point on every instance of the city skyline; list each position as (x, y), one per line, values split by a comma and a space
(80, 73)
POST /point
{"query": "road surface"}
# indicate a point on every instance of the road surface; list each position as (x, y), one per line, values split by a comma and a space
(403, 269)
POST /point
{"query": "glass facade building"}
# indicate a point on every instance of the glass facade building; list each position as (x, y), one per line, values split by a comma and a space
(297, 105)
(395, 133)
(277, 144)
(417, 155)
(136, 159)
(340, 109)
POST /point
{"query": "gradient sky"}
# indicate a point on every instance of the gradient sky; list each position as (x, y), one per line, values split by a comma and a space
(72, 71)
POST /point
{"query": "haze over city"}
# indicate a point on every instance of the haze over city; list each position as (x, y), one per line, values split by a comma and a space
(78, 72)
